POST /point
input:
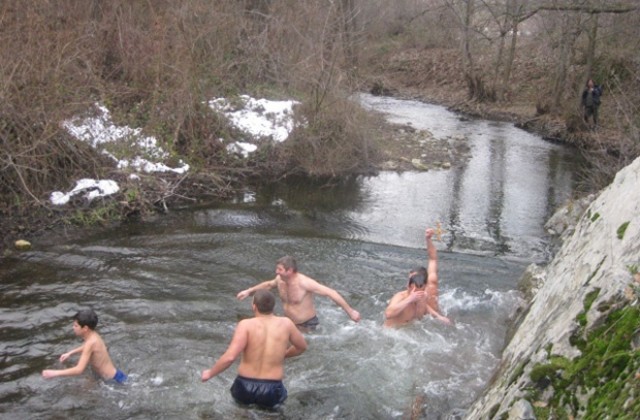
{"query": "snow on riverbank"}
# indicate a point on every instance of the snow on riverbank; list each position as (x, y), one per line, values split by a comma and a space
(258, 118)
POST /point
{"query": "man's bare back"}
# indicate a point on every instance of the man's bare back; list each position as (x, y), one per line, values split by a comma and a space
(267, 344)
(264, 342)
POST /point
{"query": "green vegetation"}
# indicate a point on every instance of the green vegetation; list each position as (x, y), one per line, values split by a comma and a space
(603, 381)
(621, 230)
(97, 216)
(595, 216)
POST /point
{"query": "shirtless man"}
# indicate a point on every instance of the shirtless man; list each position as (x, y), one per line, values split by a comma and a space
(421, 296)
(264, 342)
(93, 351)
(296, 291)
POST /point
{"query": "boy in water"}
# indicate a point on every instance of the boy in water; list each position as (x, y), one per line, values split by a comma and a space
(93, 351)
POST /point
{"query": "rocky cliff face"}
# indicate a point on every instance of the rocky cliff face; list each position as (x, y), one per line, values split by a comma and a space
(583, 317)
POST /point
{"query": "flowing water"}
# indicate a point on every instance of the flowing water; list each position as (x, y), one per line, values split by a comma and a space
(165, 291)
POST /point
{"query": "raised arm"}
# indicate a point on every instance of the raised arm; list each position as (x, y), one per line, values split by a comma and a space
(237, 345)
(315, 287)
(432, 256)
(269, 284)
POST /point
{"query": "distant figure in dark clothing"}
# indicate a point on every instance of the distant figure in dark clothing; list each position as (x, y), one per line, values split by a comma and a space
(591, 101)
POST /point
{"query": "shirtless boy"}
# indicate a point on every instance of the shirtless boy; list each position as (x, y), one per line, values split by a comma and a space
(421, 296)
(92, 352)
(296, 291)
(264, 342)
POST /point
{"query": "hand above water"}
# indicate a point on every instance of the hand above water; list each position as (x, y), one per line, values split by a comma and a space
(354, 315)
(243, 294)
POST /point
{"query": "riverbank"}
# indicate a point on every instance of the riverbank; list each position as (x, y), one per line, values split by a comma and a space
(432, 76)
(436, 76)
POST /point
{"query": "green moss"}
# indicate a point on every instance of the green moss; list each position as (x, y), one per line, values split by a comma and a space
(494, 410)
(595, 217)
(581, 318)
(548, 348)
(606, 370)
(542, 375)
(590, 298)
(622, 229)
(592, 275)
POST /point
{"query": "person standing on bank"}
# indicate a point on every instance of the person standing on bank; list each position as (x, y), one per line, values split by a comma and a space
(264, 342)
(297, 291)
(591, 101)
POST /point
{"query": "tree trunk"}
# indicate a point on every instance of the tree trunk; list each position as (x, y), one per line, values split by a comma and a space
(591, 48)
(515, 10)
(565, 52)
(467, 58)
(348, 13)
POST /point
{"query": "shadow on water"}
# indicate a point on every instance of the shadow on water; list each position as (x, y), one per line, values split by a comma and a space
(165, 291)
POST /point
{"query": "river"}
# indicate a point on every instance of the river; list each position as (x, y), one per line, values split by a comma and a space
(165, 290)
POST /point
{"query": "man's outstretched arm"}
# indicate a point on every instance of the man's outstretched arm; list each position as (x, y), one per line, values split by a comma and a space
(315, 287)
(269, 284)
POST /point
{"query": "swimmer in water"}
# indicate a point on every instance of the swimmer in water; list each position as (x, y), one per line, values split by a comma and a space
(92, 352)
(421, 296)
(297, 291)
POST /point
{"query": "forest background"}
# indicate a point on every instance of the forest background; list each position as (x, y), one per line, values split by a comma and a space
(156, 63)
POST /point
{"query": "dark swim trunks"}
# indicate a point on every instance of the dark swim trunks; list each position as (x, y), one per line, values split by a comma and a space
(310, 324)
(120, 377)
(263, 392)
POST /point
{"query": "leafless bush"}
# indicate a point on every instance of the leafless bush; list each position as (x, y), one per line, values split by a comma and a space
(330, 142)
(154, 64)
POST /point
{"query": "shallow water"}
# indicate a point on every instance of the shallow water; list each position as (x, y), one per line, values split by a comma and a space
(165, 291)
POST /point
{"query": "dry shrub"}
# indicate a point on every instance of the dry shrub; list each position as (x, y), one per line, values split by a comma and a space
(154, 65)
(331, 141)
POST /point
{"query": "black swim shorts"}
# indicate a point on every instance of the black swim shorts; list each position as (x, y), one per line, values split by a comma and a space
(263, 392)
(310, 324)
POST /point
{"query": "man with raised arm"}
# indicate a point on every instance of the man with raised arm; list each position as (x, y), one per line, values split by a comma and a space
(297, 291)
(421, 296)
(264, 342)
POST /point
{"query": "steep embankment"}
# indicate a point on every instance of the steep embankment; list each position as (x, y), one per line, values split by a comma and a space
(576, 350)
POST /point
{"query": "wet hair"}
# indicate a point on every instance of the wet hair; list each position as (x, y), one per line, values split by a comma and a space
(288, 262)
(418, 276)
(264, 301)
(86, 317)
